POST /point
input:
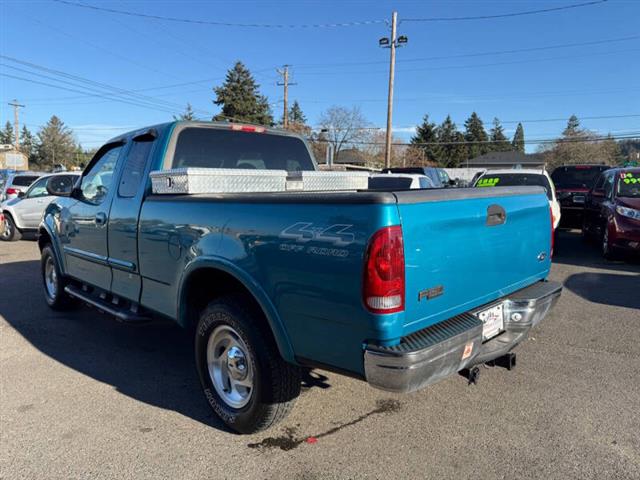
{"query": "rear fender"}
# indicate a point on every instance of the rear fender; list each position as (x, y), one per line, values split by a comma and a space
(218, 263)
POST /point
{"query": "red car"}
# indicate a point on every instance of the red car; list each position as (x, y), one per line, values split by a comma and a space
(612, 211)
(573, 183)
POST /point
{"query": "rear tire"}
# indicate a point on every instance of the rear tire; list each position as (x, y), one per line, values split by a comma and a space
(244, 378)
(10, 233)
(53, 282)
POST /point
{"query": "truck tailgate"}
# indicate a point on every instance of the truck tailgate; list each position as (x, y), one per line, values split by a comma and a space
(467, 247)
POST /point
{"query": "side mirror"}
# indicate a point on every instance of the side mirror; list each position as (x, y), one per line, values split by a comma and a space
(60, 186)
(21, 194)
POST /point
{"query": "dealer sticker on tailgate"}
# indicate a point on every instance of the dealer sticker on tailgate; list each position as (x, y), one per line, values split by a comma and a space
(492, 320)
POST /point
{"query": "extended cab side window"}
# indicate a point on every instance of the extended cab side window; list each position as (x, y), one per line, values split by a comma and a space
(97, 181)
(134, 166)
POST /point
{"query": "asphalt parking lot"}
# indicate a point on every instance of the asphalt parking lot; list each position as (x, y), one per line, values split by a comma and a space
(83, 396)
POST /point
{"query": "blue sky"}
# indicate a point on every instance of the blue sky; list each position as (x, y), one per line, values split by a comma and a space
(448, 67)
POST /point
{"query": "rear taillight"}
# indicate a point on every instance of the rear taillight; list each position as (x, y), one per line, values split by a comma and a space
(383, 283)
(553, 221)
(12, 191)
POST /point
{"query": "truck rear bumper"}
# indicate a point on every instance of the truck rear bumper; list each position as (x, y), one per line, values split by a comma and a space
(436, 352)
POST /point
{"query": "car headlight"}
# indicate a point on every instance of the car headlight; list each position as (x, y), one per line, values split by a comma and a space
(628, 212)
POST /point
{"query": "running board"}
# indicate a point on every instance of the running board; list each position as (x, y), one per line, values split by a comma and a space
(124, 315)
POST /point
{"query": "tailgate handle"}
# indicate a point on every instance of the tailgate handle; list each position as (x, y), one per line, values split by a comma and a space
(495, 215)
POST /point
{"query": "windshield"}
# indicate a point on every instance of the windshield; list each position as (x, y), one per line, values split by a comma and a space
(218, 148)
(629, 184)
(515, 180)
(577, 176)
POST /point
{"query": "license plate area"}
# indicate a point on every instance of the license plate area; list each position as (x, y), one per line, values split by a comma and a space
(492, 319)
(578, 199)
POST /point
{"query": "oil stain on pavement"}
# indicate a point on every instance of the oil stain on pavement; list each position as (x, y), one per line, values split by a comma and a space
(289, 440)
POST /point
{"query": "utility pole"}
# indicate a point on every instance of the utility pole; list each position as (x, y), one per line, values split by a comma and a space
(16, 127)
(285, 83)
(391, 43)
(392, 72)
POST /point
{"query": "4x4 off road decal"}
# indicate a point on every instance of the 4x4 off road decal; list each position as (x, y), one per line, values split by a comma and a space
(337, 235)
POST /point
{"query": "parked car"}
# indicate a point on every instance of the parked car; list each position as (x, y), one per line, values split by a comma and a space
(399, 181)
(438, 176)
(23, 214)
(521, 177)
(384, 286)
(612, 211)
(572, 183)
(17, 182)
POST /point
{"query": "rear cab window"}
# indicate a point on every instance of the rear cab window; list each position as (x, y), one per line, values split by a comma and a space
(207, 147)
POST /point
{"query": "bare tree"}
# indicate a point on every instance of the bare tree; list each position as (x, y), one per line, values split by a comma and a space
(343, 127)
(579, 145)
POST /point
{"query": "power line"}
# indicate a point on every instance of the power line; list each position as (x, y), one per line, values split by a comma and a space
(114, 92)
(507, 122)
(476, 54)
(633, 135)
(221, 24)
(502, 15)
(470, 65)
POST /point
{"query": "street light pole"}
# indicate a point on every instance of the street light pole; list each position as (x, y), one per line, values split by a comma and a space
(392, 69)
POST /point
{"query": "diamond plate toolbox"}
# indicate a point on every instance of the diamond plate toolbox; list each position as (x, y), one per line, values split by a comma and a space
(327, 181)
(217, 180)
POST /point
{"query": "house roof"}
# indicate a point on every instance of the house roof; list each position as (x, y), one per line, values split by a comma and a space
(506, 158)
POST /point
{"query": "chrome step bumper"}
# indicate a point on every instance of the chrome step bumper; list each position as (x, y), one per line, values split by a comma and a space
(440, 350)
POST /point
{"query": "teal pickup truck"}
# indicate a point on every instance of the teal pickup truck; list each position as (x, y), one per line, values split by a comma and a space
(397, 288)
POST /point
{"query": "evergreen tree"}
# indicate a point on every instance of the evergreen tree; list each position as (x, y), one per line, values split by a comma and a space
(476, 135)
(572, 128)
(240, 99)
(6, 135)
(499, 142)
(187, 115)
(27, 143)
(296, 115)
(56, 144)
(518, 139)
(426, 133)
(452, 151)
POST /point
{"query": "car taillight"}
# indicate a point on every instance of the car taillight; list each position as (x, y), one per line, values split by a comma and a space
(12, 191)
(553, 220)
(383, 284)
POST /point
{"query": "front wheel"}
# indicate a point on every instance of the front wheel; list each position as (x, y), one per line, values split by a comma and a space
(608, 250)
(10, 233)
(244, 378)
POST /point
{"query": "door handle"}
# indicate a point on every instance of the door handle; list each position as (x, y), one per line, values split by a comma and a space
(101, 218)
(496, 215)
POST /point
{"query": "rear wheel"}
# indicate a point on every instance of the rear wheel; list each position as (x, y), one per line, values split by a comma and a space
(54, 282)
(244, 378)
(10, 233)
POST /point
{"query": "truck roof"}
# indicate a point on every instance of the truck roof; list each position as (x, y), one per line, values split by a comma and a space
(239, 126)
